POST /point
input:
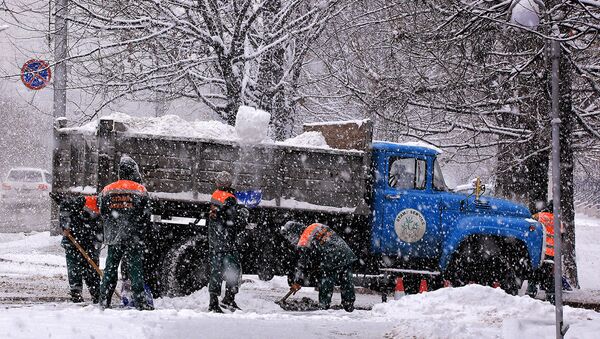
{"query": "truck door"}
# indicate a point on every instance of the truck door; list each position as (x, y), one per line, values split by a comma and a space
(410, 211)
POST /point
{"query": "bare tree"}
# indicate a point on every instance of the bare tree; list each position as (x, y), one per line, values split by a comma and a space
(222, 53)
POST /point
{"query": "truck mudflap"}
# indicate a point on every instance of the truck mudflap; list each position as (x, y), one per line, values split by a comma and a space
(525, 230)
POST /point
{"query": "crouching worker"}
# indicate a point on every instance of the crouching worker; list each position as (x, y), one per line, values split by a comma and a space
(79, 222)
(320, 245)
(125, 213)
(226, 221)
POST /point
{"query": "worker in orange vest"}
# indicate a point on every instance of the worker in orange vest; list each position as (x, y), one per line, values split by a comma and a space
(125, 212)
(227, 219)
(544, 276)
(318, 245)
(79, 216)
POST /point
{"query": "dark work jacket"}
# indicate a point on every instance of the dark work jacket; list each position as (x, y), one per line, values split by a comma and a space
(224, 222)
(321, 247)
(82, 220)
(125, 212)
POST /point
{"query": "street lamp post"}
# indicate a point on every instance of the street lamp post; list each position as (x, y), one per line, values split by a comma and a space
(526, 13)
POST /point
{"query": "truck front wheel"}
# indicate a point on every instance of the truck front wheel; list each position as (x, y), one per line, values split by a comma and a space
(484, 262)
(185, 268)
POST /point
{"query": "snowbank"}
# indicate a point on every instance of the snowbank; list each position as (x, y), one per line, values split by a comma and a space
(588, 253)
(467, 312)
(481, 312)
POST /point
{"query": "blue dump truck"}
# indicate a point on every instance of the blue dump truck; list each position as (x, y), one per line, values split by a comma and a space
(389, 201)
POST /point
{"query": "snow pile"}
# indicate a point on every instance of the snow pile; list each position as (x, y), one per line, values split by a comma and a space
(26, 243)
(467, 312)
(588, 253)
(169, 125)
(312, 139)
(252, 125)
(481, 312)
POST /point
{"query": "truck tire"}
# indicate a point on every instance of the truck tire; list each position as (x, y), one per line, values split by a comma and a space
(483, 262)
(185, 268)
(505, 274)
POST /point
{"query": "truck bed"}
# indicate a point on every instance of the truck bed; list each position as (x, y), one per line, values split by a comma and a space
(179, 172)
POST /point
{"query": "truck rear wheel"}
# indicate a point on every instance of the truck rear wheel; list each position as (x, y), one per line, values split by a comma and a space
(185, 268)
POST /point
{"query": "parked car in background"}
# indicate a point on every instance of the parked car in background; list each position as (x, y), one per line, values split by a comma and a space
(25, 187)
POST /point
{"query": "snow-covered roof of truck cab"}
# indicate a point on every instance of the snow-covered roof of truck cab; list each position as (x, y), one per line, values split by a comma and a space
(408, 147)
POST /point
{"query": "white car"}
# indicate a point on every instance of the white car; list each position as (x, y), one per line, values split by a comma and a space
(26, 186)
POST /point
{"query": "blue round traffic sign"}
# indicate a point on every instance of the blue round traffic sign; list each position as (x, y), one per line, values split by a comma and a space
(35, 74)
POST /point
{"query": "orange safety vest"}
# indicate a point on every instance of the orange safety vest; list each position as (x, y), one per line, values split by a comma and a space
(547, 219)
(219, 197)
(121, 192)
(314, 231)
(91, 204)
(124, 186)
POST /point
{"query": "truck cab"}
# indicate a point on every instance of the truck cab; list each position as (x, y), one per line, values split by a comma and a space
(418, 223)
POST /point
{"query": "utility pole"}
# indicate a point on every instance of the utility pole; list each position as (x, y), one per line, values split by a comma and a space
(60, 58)
(555, 56)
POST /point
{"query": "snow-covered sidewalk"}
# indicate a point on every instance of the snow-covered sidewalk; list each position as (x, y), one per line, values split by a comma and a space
(33, 291)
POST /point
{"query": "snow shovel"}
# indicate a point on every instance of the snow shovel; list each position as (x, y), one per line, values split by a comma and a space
(282, 300)
(68, 234)
(249, 198)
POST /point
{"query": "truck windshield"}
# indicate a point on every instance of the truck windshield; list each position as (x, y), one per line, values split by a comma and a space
(439, 184)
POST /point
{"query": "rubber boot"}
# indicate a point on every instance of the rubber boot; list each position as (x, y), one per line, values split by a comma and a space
(531, 289)
(144, 306)
(348, 307)
(76, 296)
(213, 306)
(551, 297)
(229, 301)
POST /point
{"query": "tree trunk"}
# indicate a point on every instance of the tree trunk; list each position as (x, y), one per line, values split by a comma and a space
(522, 168)
(566, 171)
(271, 89)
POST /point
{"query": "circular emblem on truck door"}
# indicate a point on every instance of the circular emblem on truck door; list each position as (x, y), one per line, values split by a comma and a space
(410, 225)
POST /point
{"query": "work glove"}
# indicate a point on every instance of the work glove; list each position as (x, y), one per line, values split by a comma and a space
(243, 213)
(295, 288)
(65, 221)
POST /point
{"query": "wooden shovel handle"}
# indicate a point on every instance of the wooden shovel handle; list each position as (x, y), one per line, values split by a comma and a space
(83, 252)
(68, 234)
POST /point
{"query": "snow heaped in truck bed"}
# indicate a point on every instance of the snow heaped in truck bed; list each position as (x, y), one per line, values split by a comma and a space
(309, 139)
(251, 127)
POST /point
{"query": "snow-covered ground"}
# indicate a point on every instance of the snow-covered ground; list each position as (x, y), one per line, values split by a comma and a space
(32, 268)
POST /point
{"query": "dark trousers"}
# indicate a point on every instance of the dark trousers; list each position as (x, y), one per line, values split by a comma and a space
(133, 260)
(225, 266)
(341, 276)
(544, 277)
(79, 270)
